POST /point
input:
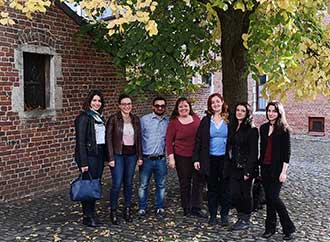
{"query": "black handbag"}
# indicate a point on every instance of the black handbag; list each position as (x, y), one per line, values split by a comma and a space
(85, 189)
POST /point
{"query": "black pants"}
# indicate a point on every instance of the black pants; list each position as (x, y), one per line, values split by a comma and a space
(95, 168)
(241, 193)
(218, 187)
(274, 204)
(191, 183)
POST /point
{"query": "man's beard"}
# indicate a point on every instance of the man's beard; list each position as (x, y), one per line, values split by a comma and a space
(159, 113)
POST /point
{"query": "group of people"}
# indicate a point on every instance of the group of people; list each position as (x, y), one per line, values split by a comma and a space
(221, 150)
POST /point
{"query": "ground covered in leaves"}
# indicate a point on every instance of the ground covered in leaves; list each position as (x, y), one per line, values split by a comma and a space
(54, 217)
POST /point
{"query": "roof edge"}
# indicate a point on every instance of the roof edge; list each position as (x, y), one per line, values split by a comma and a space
(72, 14)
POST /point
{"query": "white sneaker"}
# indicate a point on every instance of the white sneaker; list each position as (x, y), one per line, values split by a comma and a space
(141, 213)
(160, 212)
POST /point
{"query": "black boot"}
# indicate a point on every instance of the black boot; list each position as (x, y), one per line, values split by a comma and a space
(212, 205)
(96, 219)
(186, 212)
(197, 212)
(242, 223)
(213, 219)
(90, 221)
(127, 215)
(113, 217)
(224, 220)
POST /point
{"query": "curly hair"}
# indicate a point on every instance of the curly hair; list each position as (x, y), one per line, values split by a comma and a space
(89, 98)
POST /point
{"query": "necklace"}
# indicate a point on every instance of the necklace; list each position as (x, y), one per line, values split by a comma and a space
(127, 119)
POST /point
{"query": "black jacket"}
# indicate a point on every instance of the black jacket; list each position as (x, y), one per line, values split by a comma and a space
(243, 147)
(281, 147)
(85, 139)
(202, 145)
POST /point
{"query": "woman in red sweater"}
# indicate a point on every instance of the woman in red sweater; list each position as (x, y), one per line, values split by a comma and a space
(180, 141)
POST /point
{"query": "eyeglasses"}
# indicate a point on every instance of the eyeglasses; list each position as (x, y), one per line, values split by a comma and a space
(126, 104)
(159, 106)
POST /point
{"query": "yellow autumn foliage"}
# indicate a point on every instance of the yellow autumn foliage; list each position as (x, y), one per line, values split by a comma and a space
(125, 13)
(307, 71)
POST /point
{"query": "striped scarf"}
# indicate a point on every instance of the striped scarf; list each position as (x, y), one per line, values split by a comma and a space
(99, 119)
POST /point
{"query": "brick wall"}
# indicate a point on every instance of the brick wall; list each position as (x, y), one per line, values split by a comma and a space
(297, 111)
(36, 154)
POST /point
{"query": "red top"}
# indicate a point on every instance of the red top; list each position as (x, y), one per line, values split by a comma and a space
(180, 138)
(268, 153)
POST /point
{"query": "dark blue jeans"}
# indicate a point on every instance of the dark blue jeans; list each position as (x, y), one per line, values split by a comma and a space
(95, 168)
(122, 172)
(159, 169)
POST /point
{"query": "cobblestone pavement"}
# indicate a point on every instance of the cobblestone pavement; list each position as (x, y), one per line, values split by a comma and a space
(306, 193)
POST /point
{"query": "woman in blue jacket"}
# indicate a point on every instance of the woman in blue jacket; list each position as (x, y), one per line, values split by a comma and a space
(209, 156)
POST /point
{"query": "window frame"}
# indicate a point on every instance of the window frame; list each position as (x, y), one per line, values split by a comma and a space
(258, 95)
(207, 79)
(311, 120)
(45, 59)
(55, 97)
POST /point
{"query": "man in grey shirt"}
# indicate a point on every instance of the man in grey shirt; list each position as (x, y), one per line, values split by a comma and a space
(153, 129)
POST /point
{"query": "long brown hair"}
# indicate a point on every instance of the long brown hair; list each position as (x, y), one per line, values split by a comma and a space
(281, 122)
(224, 110)
(175, 112)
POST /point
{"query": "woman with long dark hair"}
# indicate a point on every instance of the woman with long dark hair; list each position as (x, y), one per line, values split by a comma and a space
(90, 152)
(180, 140)
(275, 150)
(242, 163)
(209, 156)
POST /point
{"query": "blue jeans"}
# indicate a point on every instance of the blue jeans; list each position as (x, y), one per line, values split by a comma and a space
(122, 172)
(159, 169)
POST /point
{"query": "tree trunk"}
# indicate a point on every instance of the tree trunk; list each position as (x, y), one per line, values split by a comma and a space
(234, 65)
